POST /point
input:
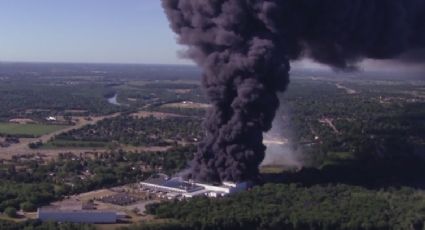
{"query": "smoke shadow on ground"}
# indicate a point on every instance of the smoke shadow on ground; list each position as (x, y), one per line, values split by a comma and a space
(403, 172)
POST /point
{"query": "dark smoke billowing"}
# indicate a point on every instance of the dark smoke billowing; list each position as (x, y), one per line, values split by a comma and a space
(245, 46)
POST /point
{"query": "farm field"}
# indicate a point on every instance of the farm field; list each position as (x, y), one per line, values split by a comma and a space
(34, 130)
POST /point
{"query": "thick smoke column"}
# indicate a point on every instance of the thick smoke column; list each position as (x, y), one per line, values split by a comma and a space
(244, 48)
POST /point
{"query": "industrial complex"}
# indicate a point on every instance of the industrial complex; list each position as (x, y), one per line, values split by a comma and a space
(106, 206)
(176, 187)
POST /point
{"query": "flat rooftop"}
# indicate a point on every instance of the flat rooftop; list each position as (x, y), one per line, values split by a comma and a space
(176, 183)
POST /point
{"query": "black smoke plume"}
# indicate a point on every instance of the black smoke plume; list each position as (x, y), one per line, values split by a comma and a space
(245, 47)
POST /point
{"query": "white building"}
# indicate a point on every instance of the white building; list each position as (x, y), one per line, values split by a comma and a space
(177, 187)
(224, 189)
(173, 187)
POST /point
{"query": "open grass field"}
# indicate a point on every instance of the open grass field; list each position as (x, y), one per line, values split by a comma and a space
(34, 130)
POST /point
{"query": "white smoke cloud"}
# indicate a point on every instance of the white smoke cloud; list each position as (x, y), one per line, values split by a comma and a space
(279, 147)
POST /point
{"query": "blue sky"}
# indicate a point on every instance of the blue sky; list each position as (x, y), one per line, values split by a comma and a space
(97, 31)
(117, 31)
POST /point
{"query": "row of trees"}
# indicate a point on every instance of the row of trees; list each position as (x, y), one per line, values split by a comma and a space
(274, 206)
(38, 225)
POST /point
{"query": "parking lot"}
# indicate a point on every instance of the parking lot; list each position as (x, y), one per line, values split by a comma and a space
(122, 199)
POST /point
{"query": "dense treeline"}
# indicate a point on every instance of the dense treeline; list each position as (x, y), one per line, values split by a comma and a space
(130, 130)
(38, 225)
(19, 195)
(275, 206)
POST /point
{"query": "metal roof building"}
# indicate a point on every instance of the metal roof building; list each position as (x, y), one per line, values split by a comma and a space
(77, 216)
(177, 186)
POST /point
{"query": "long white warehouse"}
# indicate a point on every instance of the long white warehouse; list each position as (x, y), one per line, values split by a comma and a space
(178, 187)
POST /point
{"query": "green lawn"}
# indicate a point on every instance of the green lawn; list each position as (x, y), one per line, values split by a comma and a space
(35, 130)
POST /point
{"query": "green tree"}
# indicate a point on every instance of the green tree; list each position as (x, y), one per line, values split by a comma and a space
(10, 212)
(28, 207)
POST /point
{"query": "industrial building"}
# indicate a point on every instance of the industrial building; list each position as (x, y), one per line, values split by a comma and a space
(178, 188)
(76, 215)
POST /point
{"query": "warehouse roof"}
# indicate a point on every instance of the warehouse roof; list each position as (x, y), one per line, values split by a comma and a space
(176, 182)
